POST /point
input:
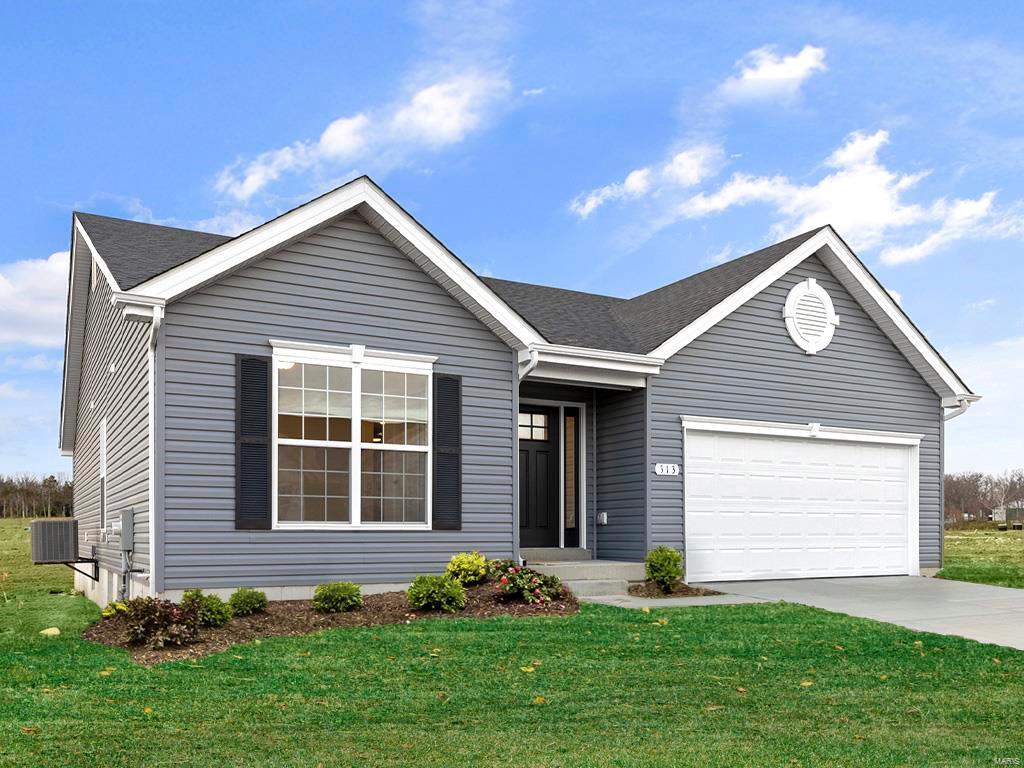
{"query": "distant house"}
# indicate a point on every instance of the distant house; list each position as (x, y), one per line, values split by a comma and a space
(1011, 512)
(335, 395)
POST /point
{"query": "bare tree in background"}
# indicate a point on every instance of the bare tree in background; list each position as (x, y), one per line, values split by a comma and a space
(29, 496)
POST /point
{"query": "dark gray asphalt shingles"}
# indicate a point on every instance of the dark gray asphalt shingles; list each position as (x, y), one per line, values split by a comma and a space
(136, 252)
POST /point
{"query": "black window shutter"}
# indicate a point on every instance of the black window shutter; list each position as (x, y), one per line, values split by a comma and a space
(252, 442)
(447, 501)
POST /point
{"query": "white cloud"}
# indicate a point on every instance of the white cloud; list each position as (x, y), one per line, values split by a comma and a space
(232, 222)
(446, 112)
(435, 116)
(982, 305)
(33, 294)
(9, 391)
(722, 256)
(864, 200)
(38, 362)
(959, 219)
(990, 436)
(896, 296)
(685, 168)
(766, 75)
(533, 92)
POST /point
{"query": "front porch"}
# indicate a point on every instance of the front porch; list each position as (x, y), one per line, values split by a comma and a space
(582, 482)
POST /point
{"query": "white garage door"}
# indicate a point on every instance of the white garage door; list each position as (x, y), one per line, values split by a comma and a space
(770, 506)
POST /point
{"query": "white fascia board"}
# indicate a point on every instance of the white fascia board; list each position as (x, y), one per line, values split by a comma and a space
(104, 269)
(295, 223)
(888, 305)
(598, 358)
(943, 377)
(598, 377)
(787, 429)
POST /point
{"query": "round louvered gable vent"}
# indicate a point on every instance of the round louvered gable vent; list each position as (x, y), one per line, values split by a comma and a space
(810, 317)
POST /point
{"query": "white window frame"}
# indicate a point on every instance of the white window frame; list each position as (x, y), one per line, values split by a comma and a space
(356, 357)
(810, 287)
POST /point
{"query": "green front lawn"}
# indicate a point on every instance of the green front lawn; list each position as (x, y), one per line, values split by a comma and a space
(984, 555)
(771, 685)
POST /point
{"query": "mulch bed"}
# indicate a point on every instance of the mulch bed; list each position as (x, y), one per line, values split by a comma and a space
(297, 617)
(681, 589)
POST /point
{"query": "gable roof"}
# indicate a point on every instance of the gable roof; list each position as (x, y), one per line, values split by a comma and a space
(639, 324)
(136, 252)
(569, 334)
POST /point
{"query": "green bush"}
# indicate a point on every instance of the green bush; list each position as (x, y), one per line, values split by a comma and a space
(436, 593)
(664, 566)
(526, 584)
(213, 612)
(467, 568)
(337, 597)
(159, 623)
(245, 602)
(114, 608)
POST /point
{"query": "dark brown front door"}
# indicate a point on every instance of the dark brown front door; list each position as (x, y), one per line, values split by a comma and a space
(538, 476)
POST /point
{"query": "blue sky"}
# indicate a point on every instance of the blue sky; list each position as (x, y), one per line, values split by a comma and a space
(609, 147)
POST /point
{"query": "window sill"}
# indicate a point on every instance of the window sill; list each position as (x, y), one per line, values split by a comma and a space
(351, 527)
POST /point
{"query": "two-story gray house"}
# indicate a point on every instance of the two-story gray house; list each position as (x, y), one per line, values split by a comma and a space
(335, 395)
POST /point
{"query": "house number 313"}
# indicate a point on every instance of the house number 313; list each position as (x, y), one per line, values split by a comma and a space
(666, 469)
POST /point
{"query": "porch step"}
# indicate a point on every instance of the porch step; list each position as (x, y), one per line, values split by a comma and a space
(592, 570)
(598, 587)
(553, 554)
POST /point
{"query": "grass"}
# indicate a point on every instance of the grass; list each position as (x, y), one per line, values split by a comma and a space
(984, 555)
(723, 685)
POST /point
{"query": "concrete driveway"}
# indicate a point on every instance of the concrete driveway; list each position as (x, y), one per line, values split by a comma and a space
(978, 611)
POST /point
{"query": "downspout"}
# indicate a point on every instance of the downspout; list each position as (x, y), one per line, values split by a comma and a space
(154, 336)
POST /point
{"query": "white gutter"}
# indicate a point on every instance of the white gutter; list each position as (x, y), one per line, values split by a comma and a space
(962, 404)
(533, 360)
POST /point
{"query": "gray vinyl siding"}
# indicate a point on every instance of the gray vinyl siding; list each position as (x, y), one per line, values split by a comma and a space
(747, 367)
(122, 395)
(540, 390)
(621, 473)
(345, 284)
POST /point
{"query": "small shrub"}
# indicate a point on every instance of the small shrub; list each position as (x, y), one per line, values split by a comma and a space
(664, 566)
(114, 608)
(337, 597)
(497, 568)
(159, 623)
(467, 568)
(213, 612)
(526, 584)
(245, 602)
(436, 593)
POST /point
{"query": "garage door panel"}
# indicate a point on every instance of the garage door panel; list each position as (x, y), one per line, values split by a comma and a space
(779, 507)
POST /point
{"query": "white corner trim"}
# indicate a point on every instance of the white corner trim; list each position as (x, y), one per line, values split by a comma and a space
(97, 260)
(811, 343)
(295, 223)
(788, 429)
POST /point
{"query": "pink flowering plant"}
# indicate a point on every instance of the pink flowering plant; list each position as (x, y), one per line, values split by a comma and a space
(520, 583)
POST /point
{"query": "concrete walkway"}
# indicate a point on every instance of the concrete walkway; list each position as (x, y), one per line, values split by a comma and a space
(977, 611)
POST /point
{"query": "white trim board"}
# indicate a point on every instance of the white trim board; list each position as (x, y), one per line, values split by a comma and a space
(296, 223)
(813, 431)
(879, 305)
